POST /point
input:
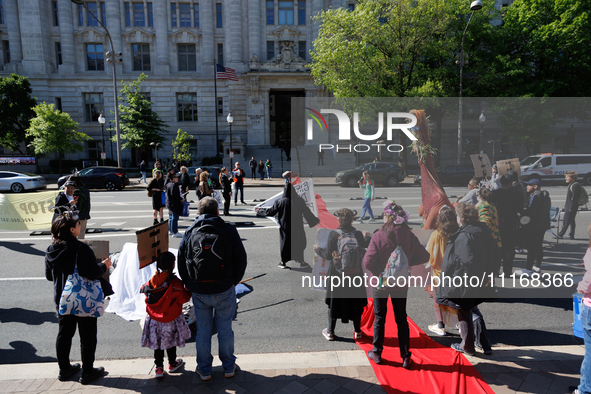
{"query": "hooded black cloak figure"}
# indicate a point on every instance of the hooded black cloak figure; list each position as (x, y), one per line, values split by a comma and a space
(290, 210)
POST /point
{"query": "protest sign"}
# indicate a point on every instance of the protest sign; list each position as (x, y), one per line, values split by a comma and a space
(321, 265)
(482, 166)
(151, 242)
(28, 211)
(504, 166)
(305, 190)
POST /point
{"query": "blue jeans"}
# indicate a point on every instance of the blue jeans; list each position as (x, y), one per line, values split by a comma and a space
(221, 308)
(143, 177)
(237, 188)
(173, 223)
(585, 383)
(367, 208)
(269, 172)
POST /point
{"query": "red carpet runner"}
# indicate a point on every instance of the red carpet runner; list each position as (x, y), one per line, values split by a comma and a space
(435, 369)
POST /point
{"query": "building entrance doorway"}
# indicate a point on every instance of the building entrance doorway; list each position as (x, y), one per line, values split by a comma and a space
(280, 115)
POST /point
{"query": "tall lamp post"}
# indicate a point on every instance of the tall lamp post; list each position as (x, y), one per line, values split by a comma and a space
(102, 120)
(110, 61)
(156, 145)
(475, 6)
(481, 119)
(230, 120)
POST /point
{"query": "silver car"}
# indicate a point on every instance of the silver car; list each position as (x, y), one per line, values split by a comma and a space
(18, 182)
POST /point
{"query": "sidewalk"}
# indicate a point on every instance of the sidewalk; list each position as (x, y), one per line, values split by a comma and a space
(536, 369)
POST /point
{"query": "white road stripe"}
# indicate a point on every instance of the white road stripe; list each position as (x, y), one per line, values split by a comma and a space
(15, 279)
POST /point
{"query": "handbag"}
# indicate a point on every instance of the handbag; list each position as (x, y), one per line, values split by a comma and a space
(81, 296)
(185, 209)
(149, 193)
(397, 267)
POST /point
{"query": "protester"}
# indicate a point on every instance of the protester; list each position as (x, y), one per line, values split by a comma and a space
(157, 167)
(344, 302)
(268, 168)
(518, 185)
(471, 196)
(584, 288)
(509, 206)
(204, 189)
(395, 232)
(169, 177)
(238, 174)
(487, 214)
(198, 172)
(571, 205)
(176, 166)
(471, 252)
(174, 203)
(261, 169)
(65, 200)
(447, 225)
(82, 196)
(226, 182)
(185, 180)
(214, 288)
(156, 187)
(320, 157)
(495, 179)
(367, 185)
(538, 213)
(165, 327)
(143, 168)
(290, 210)
(253, 168)
(62, 257)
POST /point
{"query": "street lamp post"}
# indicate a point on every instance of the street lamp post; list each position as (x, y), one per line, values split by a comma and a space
(101, 120)
(230, 120)
(481, 119)
(475, 6)
(109, 60)
(156, 145)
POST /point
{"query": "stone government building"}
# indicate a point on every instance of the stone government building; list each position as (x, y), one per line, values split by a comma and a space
(61, 49)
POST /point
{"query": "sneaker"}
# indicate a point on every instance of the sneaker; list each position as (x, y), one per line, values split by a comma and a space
(303, 264)
(205, 378)
(357, 335)
(177, 364)
(177, 235)
(327, 335)
(233, 372)
(574, 389)
(159, 372)
(282, 266)
(437, 330)
(360, 220)
(65, 374)
(487, 352)
(96, 373)
(524, 272)
(458, 348)
(373, 356)
(536, 270)
(372, 220)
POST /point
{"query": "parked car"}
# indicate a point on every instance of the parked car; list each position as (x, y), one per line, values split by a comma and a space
(18, 182)
(453, 175)
(214, 175)
(109, 178)
(553, 167)
(388, 174)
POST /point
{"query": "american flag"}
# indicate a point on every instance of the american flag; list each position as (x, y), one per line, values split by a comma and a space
(222, 72)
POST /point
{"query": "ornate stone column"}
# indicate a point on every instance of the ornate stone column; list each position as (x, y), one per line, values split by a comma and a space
(34, 37)
(14, 33)
(317, 6)
(161, 26)
(234, 27)
(68, 66)
(254, 29)
(207, 44)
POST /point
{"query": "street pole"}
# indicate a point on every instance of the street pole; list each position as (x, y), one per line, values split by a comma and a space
(481, 119)
(102, 120)
(118, 56)
(230, 120)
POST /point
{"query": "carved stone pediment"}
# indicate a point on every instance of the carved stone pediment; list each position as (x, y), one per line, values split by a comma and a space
(286, 60)
(91, 34)
(286, 33)
(185, 36)
(138, 34)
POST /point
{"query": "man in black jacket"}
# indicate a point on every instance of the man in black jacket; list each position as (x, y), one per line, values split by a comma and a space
(214, 300)
(538, 212)
(253, 168)
(571, 206)
(509, 206)
(65, 200)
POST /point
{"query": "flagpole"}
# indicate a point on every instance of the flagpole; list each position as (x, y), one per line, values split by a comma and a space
(215, 84)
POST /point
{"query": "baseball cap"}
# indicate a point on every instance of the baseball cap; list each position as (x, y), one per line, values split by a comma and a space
(534, 182)
(70, 183)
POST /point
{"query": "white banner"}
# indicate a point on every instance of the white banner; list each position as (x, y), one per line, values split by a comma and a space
(305, 190)
(27, 211)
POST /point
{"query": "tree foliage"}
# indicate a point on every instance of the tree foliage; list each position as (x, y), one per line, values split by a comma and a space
(16, 110)
(54, 131)
(181, 146)
(139, 124)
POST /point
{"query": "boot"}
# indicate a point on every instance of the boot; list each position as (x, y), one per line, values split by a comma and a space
(155, 222)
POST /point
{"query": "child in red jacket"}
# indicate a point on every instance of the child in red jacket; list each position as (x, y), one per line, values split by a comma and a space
(165, 327)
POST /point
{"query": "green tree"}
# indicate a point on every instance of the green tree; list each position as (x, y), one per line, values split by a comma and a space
(139, 124)
(181, 147)
(16, 110)
(54, 131)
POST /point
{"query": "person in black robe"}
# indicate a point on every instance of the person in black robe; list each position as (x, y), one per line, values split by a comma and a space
(291, 210)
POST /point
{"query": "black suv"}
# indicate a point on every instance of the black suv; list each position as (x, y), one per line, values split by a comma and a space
(388, 174)
(109, 178)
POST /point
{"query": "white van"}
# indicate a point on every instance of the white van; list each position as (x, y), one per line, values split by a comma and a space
(553, 167)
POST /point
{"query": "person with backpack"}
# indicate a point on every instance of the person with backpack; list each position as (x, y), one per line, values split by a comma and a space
(575, 197)
(143, 168)
(536, 222)
(393, 241)
(165, 327)
(345, 249)
(212, 261)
